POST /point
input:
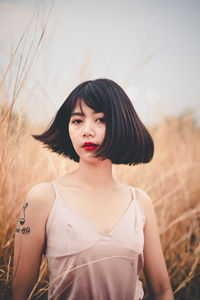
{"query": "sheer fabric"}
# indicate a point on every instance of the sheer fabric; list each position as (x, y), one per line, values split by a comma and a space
(85, 263)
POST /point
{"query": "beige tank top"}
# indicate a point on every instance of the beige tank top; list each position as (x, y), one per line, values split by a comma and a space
(85, 263)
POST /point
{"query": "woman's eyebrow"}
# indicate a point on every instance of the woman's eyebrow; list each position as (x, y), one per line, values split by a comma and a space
(82, 114)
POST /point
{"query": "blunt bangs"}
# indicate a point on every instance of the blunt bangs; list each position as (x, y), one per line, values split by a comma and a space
(127, 141)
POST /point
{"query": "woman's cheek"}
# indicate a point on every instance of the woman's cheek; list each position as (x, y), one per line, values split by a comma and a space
(76, 142)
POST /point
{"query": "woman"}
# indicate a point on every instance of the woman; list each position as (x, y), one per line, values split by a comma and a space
(96, 233)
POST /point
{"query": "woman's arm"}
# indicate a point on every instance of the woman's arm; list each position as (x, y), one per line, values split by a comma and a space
(154, 263)
(29, 240)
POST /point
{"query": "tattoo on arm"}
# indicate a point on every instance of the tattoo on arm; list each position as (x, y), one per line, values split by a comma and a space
(22, 217)
(22, 220)
(24, 230)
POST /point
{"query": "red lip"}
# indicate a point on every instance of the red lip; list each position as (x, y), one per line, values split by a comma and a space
(89, 146)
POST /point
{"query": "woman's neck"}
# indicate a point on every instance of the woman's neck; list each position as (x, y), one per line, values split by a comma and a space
(95, 175)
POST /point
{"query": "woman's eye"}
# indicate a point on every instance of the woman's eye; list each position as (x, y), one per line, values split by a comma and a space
(102, 120)
(76, 121)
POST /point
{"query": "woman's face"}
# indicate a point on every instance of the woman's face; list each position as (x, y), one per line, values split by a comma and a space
(86, 130)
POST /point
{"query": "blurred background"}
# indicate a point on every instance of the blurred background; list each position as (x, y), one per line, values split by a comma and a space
(151, 48)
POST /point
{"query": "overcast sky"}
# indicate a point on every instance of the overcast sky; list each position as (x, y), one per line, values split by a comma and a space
(150, 47)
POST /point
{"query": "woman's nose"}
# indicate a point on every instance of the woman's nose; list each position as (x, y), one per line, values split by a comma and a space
(88, 129)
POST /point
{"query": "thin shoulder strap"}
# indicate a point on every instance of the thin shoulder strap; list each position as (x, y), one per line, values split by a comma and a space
(55, 188)
(133, 193)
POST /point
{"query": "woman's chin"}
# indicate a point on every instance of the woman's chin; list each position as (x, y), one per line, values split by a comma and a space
(90, 159)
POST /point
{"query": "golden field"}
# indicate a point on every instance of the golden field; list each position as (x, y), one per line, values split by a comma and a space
(171, 179)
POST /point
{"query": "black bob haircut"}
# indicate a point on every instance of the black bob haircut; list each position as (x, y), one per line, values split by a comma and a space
(126, 140)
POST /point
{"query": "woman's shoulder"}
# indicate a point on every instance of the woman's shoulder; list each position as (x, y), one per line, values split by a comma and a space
(140, 195)
(41, 195)
(143, 198)
(41, 189)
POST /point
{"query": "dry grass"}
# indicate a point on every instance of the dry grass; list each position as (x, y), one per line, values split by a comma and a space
(171, 179)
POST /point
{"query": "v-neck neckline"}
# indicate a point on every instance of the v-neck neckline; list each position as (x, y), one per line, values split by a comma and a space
(94, 226)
